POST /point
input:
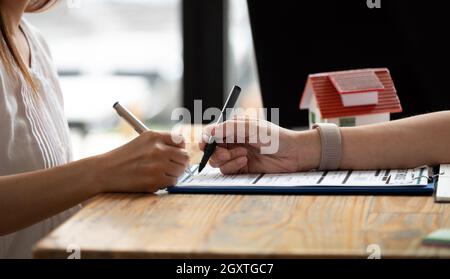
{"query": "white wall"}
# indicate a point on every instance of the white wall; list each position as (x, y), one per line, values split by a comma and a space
(314, 108)
(373, 118)
(333, 121)
(364, 119)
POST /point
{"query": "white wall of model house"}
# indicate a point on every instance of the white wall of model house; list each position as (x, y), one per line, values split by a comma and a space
(361, 119)
(314, 113)
(316, 117)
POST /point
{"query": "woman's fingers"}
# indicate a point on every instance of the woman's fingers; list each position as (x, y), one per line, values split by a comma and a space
(174, 169)
(172, 139)
(234, 166)
(177, 155)
(165, 181)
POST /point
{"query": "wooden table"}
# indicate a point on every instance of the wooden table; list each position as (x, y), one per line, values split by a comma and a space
(236, 226)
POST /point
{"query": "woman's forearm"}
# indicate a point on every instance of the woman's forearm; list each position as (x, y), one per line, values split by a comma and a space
(406, 143)
(150, 162)
(28, 198)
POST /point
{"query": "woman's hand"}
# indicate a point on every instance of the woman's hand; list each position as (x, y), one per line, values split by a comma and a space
(241, 144)
(148, 163)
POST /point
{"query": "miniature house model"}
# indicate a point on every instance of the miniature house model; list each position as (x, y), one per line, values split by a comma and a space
(351, 98)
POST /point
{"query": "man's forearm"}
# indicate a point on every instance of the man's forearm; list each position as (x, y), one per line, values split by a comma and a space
(407, 143)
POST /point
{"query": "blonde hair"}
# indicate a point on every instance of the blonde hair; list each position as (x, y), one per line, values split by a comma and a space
(9, 54)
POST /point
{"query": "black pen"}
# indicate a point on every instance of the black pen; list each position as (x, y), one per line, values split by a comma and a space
(211, 145)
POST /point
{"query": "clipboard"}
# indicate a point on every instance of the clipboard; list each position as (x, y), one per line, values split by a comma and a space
(304, 190)
(415, 190)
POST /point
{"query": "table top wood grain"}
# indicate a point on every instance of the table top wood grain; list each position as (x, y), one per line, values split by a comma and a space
(244, 226)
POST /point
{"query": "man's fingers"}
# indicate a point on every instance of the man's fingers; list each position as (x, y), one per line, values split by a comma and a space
(202, 146)
(236, 130)
(219, 157)
(238, 152)
(221, 145)
(222, 155)
(234, 166)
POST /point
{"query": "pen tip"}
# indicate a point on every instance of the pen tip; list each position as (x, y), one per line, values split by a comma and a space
(200, 168)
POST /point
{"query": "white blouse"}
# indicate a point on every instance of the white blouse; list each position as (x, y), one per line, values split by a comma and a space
(34, 134)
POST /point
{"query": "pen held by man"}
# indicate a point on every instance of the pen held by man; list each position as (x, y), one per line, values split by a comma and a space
(227, 108)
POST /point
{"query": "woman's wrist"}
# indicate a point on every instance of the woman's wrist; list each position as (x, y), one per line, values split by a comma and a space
(308, 150)
(83, 172)
(95, 174)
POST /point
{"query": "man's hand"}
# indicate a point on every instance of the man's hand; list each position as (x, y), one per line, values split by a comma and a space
(246, 146)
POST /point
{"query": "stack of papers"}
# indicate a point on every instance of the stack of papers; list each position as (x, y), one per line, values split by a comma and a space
(443, 185)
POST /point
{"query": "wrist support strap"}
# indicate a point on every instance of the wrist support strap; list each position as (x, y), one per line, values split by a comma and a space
(331, 141)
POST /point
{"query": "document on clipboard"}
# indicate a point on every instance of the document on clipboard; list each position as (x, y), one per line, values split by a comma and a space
(212, 180)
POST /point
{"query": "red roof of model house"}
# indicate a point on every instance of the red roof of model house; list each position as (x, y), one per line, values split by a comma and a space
(352, 93)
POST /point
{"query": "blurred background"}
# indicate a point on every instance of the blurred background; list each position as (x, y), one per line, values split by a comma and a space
(132, 51)
(157, 55)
